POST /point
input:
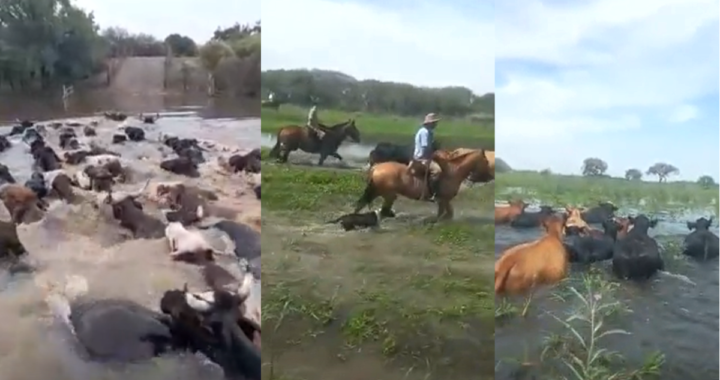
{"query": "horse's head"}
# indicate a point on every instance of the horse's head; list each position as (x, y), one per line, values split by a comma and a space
(350, 130)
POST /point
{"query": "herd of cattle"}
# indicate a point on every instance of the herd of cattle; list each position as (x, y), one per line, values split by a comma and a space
(569, 238)
(218, 322)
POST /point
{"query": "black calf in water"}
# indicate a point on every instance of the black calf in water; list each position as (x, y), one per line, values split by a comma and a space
(246, 239)
(590, 249)
(701, 243)
(600, 213)
(4, 143)
(532, 219)
(220, 333)
(121, 330)
(5, 175)
(135, 133)
(37, 184)
(637, 256)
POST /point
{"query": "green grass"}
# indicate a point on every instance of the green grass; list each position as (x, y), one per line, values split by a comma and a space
(381, 127)
(408, 301)
(577, 190)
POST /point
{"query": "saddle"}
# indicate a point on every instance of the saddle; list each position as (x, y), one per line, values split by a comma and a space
(418, 169)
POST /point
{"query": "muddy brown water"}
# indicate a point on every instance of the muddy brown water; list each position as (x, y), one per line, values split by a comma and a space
(79, 240)
(675, 313)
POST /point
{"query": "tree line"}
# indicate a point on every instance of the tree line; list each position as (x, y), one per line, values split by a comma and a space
(45, 44)
(596, 167)
(337, 90)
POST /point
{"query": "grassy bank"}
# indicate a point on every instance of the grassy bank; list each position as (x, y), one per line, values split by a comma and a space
(577, 190)
(381, 127)
(410, 301)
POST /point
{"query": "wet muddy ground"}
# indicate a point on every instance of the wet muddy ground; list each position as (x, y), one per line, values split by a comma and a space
(409, 300)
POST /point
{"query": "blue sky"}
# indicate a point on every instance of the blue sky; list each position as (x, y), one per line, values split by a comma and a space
(427, 43)
(631, 82)
(195, 18)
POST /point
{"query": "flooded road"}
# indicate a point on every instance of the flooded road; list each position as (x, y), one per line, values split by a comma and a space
(676, 313)
(80, 240)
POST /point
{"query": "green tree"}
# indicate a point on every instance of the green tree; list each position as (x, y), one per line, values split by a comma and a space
(501, 166)
(706, 182)
(594, 167)
(341, 91)
(46, 43)
(232, 60)
(662, 171)
(633, 175)
(182, 46)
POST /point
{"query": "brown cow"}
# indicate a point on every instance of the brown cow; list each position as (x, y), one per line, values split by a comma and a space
(506, 214)
(522, 268)
(19, 199)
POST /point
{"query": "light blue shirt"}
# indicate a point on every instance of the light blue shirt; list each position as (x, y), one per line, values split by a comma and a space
(423, 141)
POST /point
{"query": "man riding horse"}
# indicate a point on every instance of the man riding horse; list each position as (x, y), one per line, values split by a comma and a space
(424, 152)
(313, 123)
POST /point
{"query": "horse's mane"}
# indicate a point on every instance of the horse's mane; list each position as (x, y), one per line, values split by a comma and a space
(459, 153)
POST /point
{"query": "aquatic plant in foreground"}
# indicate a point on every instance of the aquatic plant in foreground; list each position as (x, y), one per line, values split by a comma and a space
(577, 353)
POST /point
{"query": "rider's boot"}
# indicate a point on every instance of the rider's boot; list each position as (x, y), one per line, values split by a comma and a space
(434, 188)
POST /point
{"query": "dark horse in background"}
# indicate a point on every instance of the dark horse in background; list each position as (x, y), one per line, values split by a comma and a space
(389, 152)
(294, 137)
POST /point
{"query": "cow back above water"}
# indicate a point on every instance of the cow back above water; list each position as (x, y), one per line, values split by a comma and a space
(636, 256)
(701, 243)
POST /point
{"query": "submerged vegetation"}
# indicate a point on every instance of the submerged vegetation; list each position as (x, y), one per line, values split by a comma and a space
(580, 352)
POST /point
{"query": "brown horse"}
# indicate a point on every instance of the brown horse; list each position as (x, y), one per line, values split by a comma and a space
(478, 176)
(294, 137)
(390, 179)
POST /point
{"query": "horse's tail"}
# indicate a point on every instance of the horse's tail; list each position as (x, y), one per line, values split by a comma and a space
(275, 151)
(368, 195)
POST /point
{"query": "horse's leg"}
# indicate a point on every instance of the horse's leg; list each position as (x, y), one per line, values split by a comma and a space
(336, 155)
(284, 154)
(449, 212)
(441, 210)
(386, 211)
(323, 156)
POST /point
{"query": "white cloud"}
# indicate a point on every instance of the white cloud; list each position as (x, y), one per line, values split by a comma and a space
(577, 73)
(684, 113)
(427, 44)
(195, 18)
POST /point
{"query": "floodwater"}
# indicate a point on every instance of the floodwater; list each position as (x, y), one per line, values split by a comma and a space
(354, 155)
(676, 313)
(80, 240)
